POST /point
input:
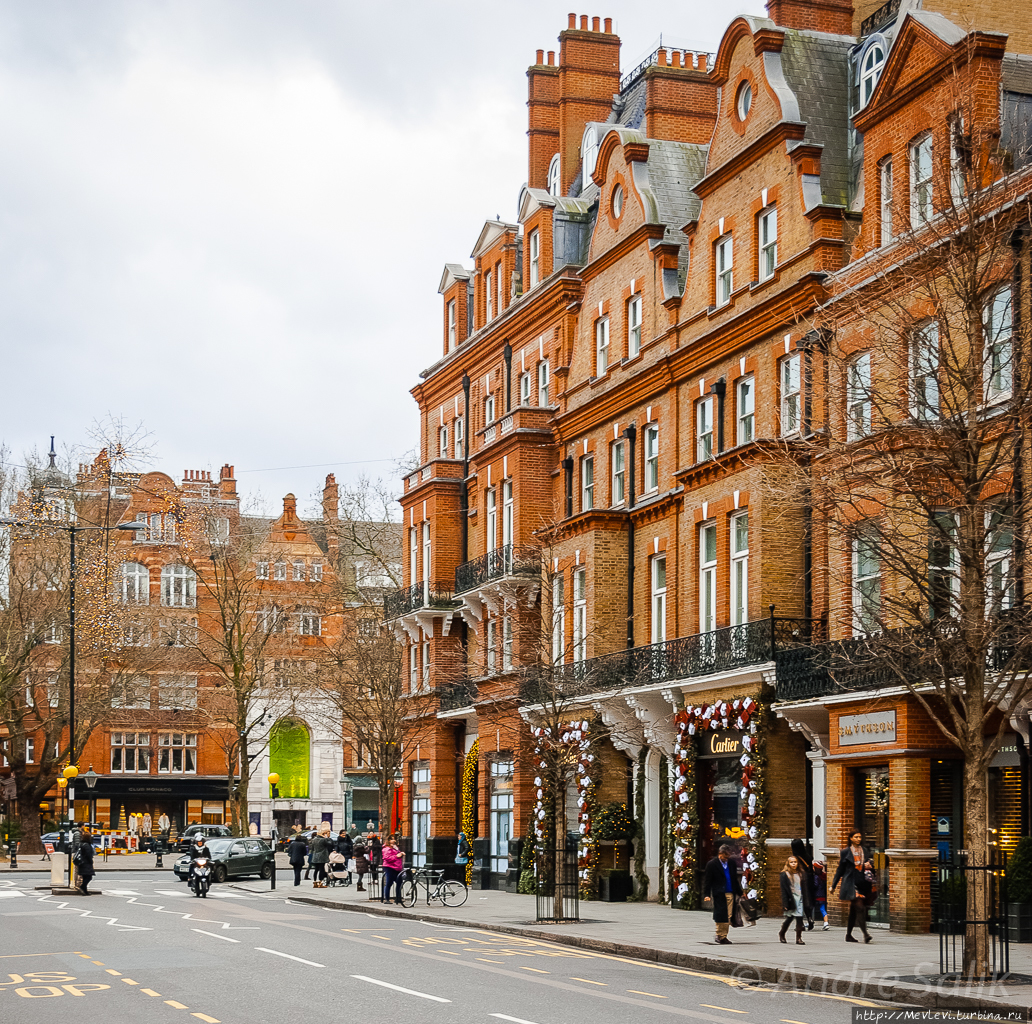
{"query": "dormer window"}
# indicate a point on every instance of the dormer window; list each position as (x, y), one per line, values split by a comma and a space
(553, 176)
(870, 65)
(452, 326)
(589, 154)
(489, 296)
(534, 245)
(743, 101)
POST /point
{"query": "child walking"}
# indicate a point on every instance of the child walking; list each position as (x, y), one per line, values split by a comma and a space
(792, 899)
(820, 884)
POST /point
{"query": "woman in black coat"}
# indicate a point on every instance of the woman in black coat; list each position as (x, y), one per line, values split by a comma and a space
(346, 848)
(296, 853)
(84, 861)
(809, 889)
(856, 889)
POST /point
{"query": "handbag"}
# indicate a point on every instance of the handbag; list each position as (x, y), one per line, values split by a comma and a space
(872, 887)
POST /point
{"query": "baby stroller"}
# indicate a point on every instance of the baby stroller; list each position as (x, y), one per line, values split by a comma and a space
(337, 869)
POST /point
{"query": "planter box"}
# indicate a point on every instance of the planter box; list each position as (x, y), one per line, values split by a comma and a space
(615, 887)
(1019, 921)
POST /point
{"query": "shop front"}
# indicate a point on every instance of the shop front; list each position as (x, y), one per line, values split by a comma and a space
(115, 799)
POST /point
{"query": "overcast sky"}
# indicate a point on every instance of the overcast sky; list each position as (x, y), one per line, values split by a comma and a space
(227, 220)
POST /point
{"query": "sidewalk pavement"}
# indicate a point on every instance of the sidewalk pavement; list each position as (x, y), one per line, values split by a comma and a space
(894, 967)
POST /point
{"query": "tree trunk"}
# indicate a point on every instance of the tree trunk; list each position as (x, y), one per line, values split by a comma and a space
(387, 808)
(976, 805)
(28, 818)
(240, 804)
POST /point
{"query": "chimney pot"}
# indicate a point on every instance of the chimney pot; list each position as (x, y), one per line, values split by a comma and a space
(573, 21)
(540, 57)
(661, 57)
(676, 58)
(595, 24)
(551, 56)
(608, 25)
(702, 62)
(584, 22)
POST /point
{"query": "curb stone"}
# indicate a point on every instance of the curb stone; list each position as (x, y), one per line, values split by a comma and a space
(887, 990)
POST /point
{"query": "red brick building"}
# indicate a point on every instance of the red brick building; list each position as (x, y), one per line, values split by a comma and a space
(597, 499)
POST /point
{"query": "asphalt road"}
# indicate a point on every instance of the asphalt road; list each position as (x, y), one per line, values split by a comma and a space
(147, 949)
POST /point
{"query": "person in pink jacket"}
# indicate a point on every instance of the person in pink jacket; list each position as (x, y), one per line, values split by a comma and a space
(393, 867)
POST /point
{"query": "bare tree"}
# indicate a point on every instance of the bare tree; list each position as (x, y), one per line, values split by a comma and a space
(915, 463)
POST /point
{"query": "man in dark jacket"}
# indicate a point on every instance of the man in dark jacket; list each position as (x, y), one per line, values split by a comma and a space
(84, 860)
(296, 853)
(346, 848)
(721, 885)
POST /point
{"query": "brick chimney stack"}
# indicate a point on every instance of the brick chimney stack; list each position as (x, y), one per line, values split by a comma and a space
(589, 76)
(227, 483)
(835, 16)
(680, 98)
(542, 117)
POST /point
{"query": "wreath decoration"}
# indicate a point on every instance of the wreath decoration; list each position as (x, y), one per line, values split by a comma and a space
(573, 733)
(469, 774)
(748, 716)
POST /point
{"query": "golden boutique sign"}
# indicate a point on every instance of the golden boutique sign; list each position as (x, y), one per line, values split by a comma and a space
(721, 743)
(876, 727)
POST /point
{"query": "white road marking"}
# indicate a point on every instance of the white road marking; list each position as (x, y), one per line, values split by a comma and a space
(173, 892)
(10, 893)
(398, 988)
(505, 1016)
(227, 896)
(214, 935)
(121, 892)
(300, 960)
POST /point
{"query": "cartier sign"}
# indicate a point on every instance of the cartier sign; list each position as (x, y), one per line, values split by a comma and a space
(722, 743)
(876, 727)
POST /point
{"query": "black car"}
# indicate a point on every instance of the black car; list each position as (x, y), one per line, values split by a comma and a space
(190, 833)
(306, 836)
(232, 858)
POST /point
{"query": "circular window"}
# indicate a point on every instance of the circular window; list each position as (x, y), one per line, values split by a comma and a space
(743, 102)
(618, 200)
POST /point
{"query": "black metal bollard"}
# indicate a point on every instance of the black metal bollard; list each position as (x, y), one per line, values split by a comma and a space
(158, 863)
(14, 853)
(272, 877)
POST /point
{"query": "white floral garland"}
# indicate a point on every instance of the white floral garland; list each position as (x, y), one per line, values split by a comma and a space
(573, 732)
(737, 714)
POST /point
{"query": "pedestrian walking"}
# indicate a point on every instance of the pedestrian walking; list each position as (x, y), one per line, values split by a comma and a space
(361, 863)
(83, 860)
(820, 889)
(375, 856)
(801, 855)
(854, 860)
(792, 899)
(296, 853)
(393, 869)
(321, 847)
(462, 851)
(722, 887)
(346, 848)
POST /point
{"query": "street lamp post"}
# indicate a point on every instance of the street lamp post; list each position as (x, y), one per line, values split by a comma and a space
(273, 782)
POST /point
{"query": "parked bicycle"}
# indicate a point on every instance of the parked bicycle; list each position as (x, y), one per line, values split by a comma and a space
(438, 889)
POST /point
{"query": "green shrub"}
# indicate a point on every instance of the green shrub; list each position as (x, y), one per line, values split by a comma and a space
(1019, 872)
(614, 822)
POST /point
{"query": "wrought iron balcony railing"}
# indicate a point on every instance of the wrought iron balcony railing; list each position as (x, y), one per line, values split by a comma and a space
(409, 599)
(460, 694)
(508, 560)
(721, 650)
(902, 657)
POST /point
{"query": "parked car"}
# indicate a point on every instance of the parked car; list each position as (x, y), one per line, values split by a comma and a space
(190, 833)
(305, 834)
(232, 858)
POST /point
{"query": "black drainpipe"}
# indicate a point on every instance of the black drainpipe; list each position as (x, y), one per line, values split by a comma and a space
(464, 492)
(568, 468)
(719, 388)
(507, 352)
(631, 433)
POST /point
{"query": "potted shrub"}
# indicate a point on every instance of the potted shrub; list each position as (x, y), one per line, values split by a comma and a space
(1019, 892)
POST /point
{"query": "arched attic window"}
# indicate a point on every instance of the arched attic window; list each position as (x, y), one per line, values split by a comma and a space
(589, 154)
(553, 176)
(870, 65)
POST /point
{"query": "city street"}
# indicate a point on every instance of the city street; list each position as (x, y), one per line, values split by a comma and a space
(238, 957)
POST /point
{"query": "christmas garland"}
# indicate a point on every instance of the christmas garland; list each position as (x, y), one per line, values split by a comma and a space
(640, 877)
(747, 716)
(469, 774)
(663, 889)
(587, 800)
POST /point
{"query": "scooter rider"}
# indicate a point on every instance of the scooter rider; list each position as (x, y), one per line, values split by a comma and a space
(198, 850)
